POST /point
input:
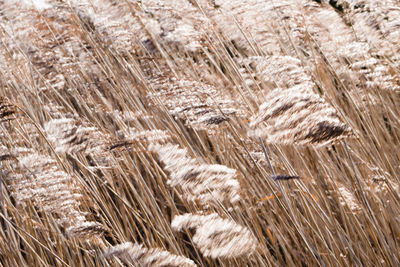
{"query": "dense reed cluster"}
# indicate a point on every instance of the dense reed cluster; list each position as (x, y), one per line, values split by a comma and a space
(199, 133)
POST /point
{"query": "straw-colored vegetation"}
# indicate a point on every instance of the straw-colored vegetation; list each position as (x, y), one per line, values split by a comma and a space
(199, 133)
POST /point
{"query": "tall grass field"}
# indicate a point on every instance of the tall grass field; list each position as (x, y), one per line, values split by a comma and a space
(199, 133)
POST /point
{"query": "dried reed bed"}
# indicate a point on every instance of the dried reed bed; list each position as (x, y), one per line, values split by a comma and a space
(113, 106)
(38, 182)
(136, 29)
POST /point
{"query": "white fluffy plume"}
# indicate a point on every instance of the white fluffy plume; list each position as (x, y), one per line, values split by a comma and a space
(296, 116)
(205, 183)
(217, 237)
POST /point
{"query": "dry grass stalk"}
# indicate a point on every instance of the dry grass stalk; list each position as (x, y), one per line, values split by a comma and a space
(137, 255)
(216, 237)
(203, 183)
(295, 116)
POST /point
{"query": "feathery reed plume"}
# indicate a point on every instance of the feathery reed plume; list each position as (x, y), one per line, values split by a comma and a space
(36, 178)
(70, 135)
(347, 198)
(280, 71)
(296, 116)
(333, 36)
(136, 254)
(377, 74)
(129, 117)
(147, 136)
(182, 24)
(377, 24)
(116, 25)
(6, 109)
(133, 136)
(32, 4)
(200, 104)
(205, 183)
(377, 181)
(217, 237)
